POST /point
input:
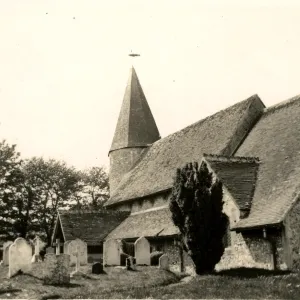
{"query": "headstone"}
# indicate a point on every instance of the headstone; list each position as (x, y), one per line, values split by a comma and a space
(38, 247)
(58, 244)
(97, 268)
(50, 250)
(20, 254)
(111, 253)
(74, 247)
(56, 270)
(142, 251)
(130, 263)
(164, 262)
(6, 252)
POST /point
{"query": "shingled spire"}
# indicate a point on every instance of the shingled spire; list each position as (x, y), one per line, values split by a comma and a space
(136, 126)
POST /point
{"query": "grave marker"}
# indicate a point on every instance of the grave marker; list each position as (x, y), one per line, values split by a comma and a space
(111, 253)
(142, 251)
(20, 254)
(6, 252)
(164, 262)
(97, 268)
(58, 244)
(76, 248)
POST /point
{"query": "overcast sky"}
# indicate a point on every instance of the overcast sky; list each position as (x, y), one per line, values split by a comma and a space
(64, 66)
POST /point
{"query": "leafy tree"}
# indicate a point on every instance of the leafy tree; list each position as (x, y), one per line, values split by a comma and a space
(196, 205)
(51, 185)
(10, 188)
(95, 189)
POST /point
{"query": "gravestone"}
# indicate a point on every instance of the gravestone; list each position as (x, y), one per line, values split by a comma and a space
(130, 263)
(50, 250)
(97, 268)
(74, 248)
(39, 245)
(20, 254)
(6, 252)
(111, 253)
(142, 251)
(56, 270)
(164, 262)
(58, 244)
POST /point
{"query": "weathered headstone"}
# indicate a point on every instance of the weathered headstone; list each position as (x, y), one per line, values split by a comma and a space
(142, 251)
(20, 254)
(74, 248)
(6, 252)
(56, 270)
(97, 268)
(130, 263)
(38, 247)
(111, 253)
(50, 250)
(164, 262)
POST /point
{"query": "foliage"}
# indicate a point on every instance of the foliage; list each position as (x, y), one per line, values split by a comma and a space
(10, 188)
(32, 191)
(95, 189)
(196, 205)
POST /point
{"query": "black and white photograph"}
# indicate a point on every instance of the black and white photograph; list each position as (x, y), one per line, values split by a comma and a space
(149, 149)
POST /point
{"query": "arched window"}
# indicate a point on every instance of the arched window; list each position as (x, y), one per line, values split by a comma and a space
(227, 235)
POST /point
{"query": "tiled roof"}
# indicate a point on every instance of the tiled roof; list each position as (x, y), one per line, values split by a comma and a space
(136, 126)
(238, 175)
(220, 133)
(150, 223)
(276, 141)
(90, 226)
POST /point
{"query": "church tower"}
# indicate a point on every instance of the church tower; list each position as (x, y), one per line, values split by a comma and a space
(136, 130)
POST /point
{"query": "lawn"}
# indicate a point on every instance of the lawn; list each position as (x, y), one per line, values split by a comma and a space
(150, 282)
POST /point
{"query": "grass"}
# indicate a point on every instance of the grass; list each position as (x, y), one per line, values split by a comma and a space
(150, 282)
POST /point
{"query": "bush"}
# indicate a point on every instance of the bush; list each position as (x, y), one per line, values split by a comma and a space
(154, 257)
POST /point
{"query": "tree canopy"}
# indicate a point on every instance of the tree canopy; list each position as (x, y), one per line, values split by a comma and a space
(31, 192)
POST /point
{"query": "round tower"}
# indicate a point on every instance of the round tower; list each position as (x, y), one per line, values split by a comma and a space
(136, 130)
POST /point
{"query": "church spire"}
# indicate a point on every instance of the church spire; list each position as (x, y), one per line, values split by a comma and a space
(136, 126)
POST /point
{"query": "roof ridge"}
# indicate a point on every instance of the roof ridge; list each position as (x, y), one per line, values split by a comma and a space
(224, 158)
(73, 212)
(207, 118)
(282, 104)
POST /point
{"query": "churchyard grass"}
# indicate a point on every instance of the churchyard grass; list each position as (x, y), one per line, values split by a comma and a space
(150, 282)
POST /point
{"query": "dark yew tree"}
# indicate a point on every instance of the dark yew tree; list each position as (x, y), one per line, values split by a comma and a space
(196, 205)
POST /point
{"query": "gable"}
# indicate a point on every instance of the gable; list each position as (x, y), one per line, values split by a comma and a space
(238, 175)
(220, 133)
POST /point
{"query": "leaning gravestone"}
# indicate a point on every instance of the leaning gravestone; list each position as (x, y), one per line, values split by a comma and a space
(111, 253)
(76, 248)
(56, 270)
(142, 251)
(97, 268)
(164, 262)
(6, 252)
(20, 254)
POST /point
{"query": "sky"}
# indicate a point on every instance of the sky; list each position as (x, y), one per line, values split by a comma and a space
(64, 66)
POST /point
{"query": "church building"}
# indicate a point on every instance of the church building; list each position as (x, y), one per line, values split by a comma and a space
(253, 150)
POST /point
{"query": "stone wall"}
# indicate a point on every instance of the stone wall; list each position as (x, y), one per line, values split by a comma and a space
(292, 237)
(121, 162)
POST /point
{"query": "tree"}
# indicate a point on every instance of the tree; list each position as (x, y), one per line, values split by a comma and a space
(196, 205)
(11, 188)
(95, 189)
(51, 185)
